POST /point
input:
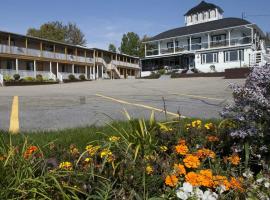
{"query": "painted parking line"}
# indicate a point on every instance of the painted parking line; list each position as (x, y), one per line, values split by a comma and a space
(14, 125)
(138, 105)
(199, 97)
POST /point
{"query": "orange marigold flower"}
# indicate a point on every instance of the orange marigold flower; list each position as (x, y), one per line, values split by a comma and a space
(171, 180)
(221, 181)
(236, 184)
(192, 178)
(234, 159)
(205, 153)
(191, 161)
(181, 149)
(205, 178)
(212, 138)
(180, 169)
(29, 151)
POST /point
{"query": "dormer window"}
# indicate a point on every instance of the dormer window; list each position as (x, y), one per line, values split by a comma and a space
(203, 12)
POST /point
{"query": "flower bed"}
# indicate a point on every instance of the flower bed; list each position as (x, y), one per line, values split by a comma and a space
(28, 83)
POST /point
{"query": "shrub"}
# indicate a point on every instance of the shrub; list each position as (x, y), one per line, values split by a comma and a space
(71, 77)
(162, 71)
(82, 77)
(250, 114)
(29, 78)
(39, 77)
(16, 77)
(7, 78)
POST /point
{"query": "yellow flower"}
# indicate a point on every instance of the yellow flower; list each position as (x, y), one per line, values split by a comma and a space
(188, 126)
(209, 126)
(163, 148)
(171, 180)
(196, 124)
(180, 169)
(87, 160)
(92, 150)
(114, 139)
(191, 161)
(206, 178)
(105, 152)
(149, 169)
(181, 149)
(65, 165)
(150, 157)
(234, 159)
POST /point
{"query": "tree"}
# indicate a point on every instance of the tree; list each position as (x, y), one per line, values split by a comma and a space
(112, 48)
(130, 44)
(142, 46)
(57, 31)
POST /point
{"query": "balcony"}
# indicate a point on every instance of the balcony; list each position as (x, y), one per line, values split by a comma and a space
(247, 40)
(45, 54)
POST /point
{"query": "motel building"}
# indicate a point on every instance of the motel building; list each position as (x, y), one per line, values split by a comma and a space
(31, 56)
(207, 42)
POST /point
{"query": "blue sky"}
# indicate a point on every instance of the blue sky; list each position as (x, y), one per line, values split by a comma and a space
(105, 21)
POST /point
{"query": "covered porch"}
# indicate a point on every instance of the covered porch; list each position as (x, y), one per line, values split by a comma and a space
(185, 61)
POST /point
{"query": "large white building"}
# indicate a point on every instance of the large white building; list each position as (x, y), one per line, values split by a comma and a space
(207, 42)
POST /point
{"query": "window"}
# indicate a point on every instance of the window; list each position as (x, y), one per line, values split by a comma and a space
(30, 66)
(196, 43)
(218, 40)
(210, 58)
(234, 56)
(9, 64)
(170, 45)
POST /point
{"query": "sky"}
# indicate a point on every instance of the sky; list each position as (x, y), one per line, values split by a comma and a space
(105, 21)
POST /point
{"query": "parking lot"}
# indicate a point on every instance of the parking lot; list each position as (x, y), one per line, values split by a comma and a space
(98, 102)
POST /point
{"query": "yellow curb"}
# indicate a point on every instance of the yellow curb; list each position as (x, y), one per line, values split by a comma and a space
(14, 126)
(138, 105)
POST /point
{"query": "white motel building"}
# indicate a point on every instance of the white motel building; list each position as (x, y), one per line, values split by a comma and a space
(207, 42)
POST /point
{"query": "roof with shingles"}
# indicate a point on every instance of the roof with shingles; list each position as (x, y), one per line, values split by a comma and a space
(203, 6)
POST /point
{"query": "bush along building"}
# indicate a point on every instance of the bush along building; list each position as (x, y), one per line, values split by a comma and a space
(207, 42)
(34, 57)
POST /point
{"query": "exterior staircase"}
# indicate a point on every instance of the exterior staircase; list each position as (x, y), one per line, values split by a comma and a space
(113, 70)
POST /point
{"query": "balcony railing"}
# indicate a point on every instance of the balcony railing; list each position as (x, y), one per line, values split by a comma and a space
(27, 73)
(201, 46)
(37, 53)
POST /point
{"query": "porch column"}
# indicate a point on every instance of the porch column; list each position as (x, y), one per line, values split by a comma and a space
(17, 65)
(35, 68)
(98, 72)
(72, 68)
(86, 72)
(190, 44)
(145, 50)
(102, 71)
(252, 35)
(158, 47)
(51, 67)
(174, 45)
(94, 72)
(229, 35)
(57, 69)
(209, 41)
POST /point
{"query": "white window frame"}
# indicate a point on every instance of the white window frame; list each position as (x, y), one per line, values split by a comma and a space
(215, 58)
(227, 54)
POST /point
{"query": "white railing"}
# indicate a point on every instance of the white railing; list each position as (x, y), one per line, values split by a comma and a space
(1, 80)
(81, 59)
(26, 73)
(48, 54)
(64, 75)
(33, 52)
(60, 56)
(8, 72)
(125, 64)
(71, 57)
(17, 50)
(46, 75)
(203, 45)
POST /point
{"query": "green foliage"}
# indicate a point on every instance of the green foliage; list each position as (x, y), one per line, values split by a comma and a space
(82, 77)
(130, 44)
(153, 75)
(57, 31)
(71, 77)
(29, 79)
(162, 71)
(39, 77)
(16, 77)
(112, 48)
(7, 78)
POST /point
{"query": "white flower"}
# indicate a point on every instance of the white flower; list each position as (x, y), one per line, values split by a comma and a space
(198, 193)
(260, 180)
(208, 195)
(221, 189)
(267, 184)
(248, 174)
(187, 187)
(182, 195)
